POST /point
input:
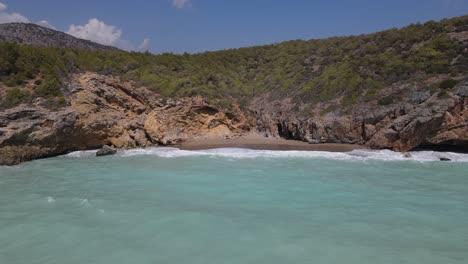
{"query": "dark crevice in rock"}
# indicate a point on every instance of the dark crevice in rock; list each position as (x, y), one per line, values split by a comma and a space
(149, 138)
(449, 146)
(207, 110)
(363, 131)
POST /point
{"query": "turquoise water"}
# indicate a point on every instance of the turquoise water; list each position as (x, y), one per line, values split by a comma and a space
(235, 206)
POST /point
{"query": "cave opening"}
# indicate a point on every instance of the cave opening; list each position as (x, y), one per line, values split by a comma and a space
(457, 147)
(284, 133)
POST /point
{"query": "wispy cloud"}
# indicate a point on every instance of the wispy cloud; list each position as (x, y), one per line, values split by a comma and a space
(181, 3)
(45, 23)
(144, 45)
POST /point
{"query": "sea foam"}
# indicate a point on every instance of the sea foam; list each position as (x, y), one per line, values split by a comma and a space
(240, 153)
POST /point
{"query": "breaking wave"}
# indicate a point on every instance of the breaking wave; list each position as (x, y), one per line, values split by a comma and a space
(239, 153)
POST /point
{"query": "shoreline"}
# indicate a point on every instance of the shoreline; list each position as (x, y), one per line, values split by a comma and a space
(276, 144)
(263, 143)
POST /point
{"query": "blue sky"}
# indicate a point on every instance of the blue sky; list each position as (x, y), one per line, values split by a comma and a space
(200, 25)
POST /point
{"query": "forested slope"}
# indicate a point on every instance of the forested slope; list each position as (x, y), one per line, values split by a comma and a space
(355, 67)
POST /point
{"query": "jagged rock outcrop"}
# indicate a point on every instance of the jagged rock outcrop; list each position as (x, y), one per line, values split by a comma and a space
(126, 116)
(28, 133)
(103, 110)
(418, 120)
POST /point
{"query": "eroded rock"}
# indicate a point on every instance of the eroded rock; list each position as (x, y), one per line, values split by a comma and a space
(104, 110)
(106, 151)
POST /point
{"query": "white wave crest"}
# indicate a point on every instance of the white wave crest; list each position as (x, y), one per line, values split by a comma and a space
(81, 154)
(238, 153)
(413, 155)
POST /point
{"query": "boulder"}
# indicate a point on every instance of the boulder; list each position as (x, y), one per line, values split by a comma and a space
(462, 89)
(106, 151)
(420, 96)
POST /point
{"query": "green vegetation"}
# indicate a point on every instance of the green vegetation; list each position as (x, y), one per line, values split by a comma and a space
(15, 96)
(354, 67)
(330, 108)
(387, 100)
(448, 84)
(50, 87)
(443, 94)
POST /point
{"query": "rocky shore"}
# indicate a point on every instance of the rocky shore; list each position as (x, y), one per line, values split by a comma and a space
(418, 120)
(104, 110)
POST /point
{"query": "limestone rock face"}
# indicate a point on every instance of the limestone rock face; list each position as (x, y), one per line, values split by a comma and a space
(30, 133)
(103, 110)
(418, 120)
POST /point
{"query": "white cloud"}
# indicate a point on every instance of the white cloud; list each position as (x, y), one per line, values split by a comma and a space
(144, 44)
(96, 31)
(129, 46)
(45, 23)
(10, 17)
(6, 17)
(125, 45)
(181, 3)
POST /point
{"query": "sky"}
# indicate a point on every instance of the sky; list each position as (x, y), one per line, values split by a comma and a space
(203, 25)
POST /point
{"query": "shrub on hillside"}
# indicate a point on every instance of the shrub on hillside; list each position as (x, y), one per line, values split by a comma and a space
(50, 87)
(387, 100)
(448, 84)
(14, 96)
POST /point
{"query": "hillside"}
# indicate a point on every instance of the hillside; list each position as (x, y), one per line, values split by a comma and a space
(398, 89)
(354, 67)
(32, 34)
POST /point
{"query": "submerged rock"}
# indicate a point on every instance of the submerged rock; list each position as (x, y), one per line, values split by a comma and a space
(106, 151)
(445, 159)
(408, 155)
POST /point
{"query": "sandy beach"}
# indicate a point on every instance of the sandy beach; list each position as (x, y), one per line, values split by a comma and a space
(263, 143)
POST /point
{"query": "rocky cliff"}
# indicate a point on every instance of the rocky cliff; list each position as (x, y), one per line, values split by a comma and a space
(418, 120)
(105, 110)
